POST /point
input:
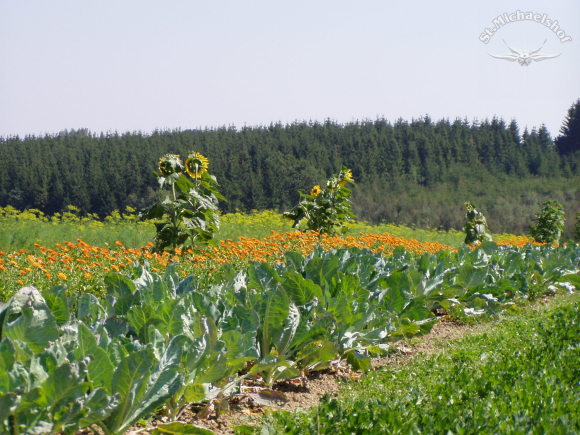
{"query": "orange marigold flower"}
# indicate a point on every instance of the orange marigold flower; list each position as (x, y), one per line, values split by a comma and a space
(62, 276)
(114, 267)
(36, 264)
(119, 243)
(88, 275)
(20, 282)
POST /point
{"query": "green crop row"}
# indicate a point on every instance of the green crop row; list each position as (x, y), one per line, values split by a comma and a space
(521, 376)
(69, 361)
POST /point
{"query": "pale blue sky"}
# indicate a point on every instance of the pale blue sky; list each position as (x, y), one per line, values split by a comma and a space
(141, 65)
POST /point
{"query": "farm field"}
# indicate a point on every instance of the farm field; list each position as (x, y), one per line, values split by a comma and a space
(22, 230)
(194, 331)
(46, 251)
(517, 374)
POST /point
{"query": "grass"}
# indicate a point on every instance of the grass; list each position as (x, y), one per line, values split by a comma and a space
(520, 375)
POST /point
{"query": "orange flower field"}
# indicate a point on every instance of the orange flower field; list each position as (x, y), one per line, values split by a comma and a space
(79, 265)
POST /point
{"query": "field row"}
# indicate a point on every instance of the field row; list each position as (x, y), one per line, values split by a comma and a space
(152, 340)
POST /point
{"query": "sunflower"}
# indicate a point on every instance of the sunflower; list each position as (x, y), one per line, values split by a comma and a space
(196, 165)
(346, 177)
(316, 190)
(170, 164)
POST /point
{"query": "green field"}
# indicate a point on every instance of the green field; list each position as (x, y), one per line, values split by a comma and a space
(153, 343)
(23, 230)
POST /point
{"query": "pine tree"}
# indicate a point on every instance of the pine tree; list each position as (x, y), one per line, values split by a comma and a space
(569, 140)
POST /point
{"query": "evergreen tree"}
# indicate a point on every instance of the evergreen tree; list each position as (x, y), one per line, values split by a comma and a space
(569, 140)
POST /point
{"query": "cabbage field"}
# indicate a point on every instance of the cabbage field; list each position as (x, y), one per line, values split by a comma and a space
(149, 341)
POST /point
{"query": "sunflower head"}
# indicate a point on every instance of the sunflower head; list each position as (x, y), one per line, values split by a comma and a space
(345, 176)
(316, 190)
(170, 164)
(196, 165)
(469, 206)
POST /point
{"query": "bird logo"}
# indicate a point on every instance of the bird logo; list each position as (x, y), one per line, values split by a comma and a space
(523, 57)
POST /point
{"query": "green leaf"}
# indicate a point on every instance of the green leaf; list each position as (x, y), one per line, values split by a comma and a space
(129, 381)
(164, 382)
(243, 429)
(358, 361)
(139, 316)
(36, 326)
(205, 327)
(315, 353)
(283, 337)
(183, 184)
(8, 405)
(124, 304)
(118, 285)
(194, 393)
(101, 369)
(248, 319)
(66, 385)
(276, 312)
(321, 271)
(87, 343)
(179, 428)
(98, 406)
(57, 302)
(204, 306)
(262, 277)
(116, 327)
(394, 300)
(88, 307)
(301, 291)
(470, 277)
(215, 371)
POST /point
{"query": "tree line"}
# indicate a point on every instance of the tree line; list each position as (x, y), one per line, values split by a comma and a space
(415, 173)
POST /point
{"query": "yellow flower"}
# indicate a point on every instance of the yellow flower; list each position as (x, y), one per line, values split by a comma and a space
(347, 176)
(196, 165)
(88, 275)
(170, 164)
(61, 275)
(316, 190)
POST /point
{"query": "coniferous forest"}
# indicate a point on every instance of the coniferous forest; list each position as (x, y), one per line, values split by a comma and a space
(416, 173)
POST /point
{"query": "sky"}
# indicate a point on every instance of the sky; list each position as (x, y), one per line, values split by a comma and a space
(138, 65)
